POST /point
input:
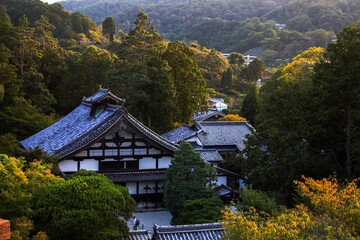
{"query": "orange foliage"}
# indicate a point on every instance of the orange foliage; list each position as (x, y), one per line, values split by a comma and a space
(232, 117)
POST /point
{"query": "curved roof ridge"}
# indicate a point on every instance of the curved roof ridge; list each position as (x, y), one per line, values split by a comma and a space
(150, 133)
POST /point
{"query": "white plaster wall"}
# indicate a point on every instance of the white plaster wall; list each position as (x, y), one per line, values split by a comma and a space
(68, 166)
(140, 144)
(125, 152)
(164, 162)
(89, 164)
(150, 184)
(194, 139)
(111, 152)
(132, 187)
(140, 151)
(81, 154)
(110, 144)
(221, 180)
(147, 163)
(126, 144)
(154, 151)
(95, 145)
(95, 153)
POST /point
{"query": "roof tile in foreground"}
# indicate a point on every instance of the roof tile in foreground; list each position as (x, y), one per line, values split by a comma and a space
(208, 231)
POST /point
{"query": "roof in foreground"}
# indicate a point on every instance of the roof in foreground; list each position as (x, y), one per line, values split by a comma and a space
(142, 234)
(208, 231)
(79, 128)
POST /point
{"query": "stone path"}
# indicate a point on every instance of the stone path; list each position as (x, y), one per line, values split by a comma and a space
(147, 219)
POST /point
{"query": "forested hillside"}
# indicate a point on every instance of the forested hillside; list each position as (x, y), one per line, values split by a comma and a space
(234, 25)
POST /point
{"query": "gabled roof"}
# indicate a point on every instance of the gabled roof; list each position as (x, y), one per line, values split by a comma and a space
(210, 155)
(202, 116)
(213, 133)
(101, 95)
(225, 191)
(208, 231)
(78, 128)
(180, 133)
(224, 133)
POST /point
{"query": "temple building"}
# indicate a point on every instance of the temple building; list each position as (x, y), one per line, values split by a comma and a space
(100, 135)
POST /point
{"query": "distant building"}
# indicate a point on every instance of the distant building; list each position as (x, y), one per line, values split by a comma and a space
(211, 115)
(217, 104)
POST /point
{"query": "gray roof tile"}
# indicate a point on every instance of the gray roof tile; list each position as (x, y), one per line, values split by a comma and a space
(202, 116)
(224, 133)
(142, 234)
(78, 128)
(210, 155)
(209, 231)
(180, 133)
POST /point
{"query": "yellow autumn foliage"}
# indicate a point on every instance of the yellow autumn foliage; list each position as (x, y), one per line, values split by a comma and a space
(232, 117)
(330, 211)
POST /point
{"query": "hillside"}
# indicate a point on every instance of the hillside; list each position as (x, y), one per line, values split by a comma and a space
(234, 25)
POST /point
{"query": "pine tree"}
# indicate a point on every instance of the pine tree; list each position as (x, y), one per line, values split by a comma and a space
(109, 28)
(186, 179)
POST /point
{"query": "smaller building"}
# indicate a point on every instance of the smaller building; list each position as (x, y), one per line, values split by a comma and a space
(211, 115)
(217, 104)
(208, 231)
(142, 234)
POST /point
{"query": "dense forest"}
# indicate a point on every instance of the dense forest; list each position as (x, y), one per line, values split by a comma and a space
(235, 25)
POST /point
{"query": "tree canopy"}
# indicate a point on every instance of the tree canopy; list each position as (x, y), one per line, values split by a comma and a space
(86, 206)
(186, 179)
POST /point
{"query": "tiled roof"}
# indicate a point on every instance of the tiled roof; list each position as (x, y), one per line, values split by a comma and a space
(142, 234)
(78, 128)
(135, 176)
(223, 190)
(209, 231)
(180, 133)
(224, 133)
(202, 116)
(210, 155)
(102, 94)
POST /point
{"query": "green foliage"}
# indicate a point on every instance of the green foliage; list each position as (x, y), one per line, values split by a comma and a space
(109, 28)
(250, 105)
(19, 183)
(250, 197)
(189, 84)
(186, 179)
(204, 210)
(86, 206)
(337, 90)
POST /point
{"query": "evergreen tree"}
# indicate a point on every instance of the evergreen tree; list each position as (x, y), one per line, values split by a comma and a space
(109, 28)
(143, 41)
(189, 84)
(226, 79)
(86, 206)
(250, 105)
(186, 179)
(338, 88)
